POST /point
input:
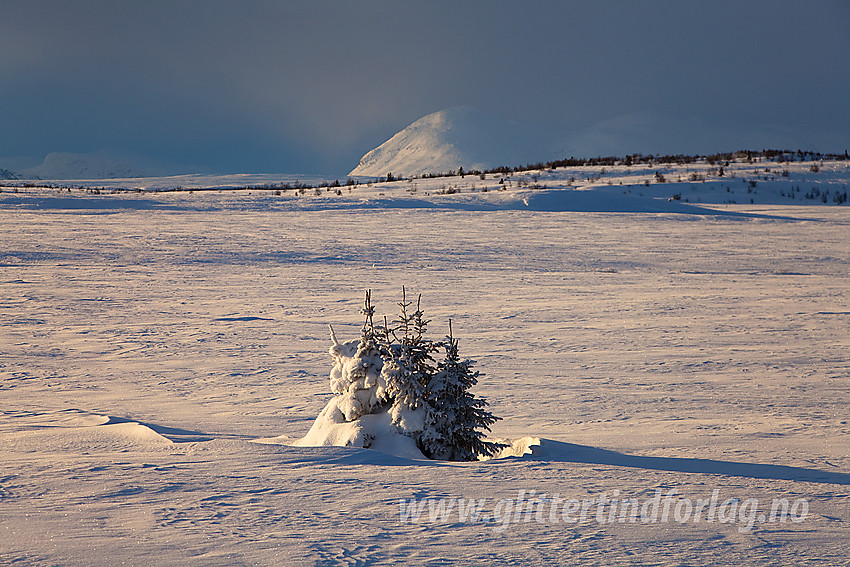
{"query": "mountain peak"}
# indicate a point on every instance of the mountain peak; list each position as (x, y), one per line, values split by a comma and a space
(461, 136)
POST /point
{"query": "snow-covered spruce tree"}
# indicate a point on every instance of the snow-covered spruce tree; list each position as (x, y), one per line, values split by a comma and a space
(356, 374)
(359, 414)
(454, 417)
(390, 395)
(408, 366)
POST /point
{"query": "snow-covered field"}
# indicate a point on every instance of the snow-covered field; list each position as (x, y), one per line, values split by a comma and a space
(697, 345)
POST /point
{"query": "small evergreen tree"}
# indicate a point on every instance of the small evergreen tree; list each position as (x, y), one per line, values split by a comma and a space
(408, 364)
(390, 371)
(357, 369)
(454, 417)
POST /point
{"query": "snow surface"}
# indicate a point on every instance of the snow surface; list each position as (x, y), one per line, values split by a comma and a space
(162, 352)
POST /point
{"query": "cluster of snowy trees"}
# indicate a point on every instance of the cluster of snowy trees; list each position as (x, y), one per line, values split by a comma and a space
(417, 387)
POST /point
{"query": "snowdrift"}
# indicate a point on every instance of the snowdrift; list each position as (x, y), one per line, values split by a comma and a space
(84, 434)
(373, 431)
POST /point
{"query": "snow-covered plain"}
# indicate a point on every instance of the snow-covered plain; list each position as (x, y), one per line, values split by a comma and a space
(697, 344)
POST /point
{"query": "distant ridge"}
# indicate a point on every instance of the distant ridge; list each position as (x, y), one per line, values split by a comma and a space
(8, 174)
(661, 133)
(60, 165)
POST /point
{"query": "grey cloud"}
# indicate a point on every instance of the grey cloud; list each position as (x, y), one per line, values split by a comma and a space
(312, 86)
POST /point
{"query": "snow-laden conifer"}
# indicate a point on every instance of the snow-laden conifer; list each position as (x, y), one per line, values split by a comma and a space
(356, 375)
(408, 363)
(390, 394)
(454, 418)
(408, 366)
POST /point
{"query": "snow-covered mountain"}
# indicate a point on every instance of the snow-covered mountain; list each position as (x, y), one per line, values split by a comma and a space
(8, 174)
(60, 165)
(462, 136)
(468, 137)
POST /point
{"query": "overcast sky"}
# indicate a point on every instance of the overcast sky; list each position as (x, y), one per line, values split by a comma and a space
(310, 86)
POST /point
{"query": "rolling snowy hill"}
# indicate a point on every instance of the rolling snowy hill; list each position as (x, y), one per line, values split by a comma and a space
(661, 133)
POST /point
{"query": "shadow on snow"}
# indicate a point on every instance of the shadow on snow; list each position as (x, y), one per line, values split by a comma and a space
(558, 451)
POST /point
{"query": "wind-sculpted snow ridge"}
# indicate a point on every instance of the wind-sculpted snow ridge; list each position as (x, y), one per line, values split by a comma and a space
(77, 431)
